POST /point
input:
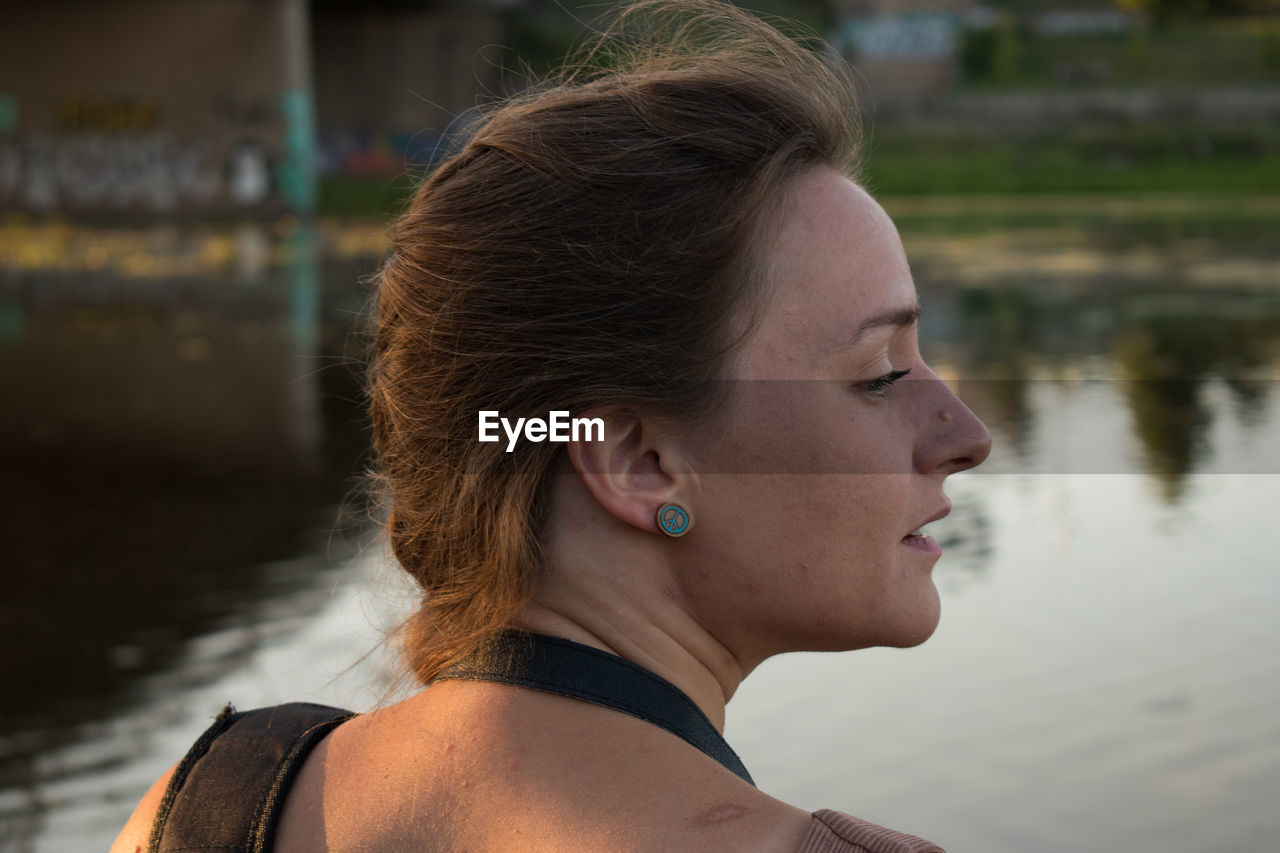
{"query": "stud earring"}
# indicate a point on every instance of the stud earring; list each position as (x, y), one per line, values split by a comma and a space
(673, 520)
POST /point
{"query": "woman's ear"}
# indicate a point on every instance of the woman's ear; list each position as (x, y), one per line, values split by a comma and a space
(631, 472)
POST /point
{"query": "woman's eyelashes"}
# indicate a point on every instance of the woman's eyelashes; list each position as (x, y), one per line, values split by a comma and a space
(878, 387)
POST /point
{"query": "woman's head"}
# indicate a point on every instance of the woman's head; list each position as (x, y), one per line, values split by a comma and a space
(593, 246)
(830, 452)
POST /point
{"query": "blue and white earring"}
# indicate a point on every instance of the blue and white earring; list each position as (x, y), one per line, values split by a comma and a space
(673, 520)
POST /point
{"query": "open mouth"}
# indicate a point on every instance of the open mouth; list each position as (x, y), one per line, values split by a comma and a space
(923, 541)
(919, 539)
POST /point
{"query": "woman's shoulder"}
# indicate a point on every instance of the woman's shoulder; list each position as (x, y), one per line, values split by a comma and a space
(837, 832)
(582, 776)
(136, 835)
(550, 752)
(362, 781)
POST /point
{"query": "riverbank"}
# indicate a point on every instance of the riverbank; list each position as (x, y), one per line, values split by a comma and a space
(901, 161)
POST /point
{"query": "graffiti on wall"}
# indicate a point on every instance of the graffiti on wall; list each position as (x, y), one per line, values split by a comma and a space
(361, 154)
(153, 170)
(121, 154)
(911, 35)
(297, 166)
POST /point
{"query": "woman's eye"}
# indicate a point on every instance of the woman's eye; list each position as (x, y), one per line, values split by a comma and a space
(881, 385)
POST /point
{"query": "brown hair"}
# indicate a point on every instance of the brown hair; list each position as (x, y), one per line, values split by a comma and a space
(590, 247)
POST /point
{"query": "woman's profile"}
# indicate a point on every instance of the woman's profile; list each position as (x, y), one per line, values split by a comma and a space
(669, 248)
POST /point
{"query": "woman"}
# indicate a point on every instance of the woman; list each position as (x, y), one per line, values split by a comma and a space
(669, 246)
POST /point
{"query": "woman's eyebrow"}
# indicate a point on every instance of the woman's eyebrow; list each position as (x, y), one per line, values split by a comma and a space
(901, 317)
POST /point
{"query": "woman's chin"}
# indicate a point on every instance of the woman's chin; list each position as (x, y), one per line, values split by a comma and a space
(906, 629)
(919, 624)
(916, 637)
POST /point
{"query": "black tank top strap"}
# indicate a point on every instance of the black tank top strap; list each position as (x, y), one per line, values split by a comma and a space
(558, 665)
(226, 793)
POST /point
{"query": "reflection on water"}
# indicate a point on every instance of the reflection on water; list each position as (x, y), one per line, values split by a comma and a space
(184, 427)
(1150, 360)
(177, 434)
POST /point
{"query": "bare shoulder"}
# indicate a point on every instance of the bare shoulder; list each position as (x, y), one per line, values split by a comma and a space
(136, 834)
(444, 773)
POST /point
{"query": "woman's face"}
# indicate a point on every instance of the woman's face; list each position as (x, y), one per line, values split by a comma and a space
(821, 466)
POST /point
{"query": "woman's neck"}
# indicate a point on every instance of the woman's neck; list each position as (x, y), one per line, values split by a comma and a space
(692, 660)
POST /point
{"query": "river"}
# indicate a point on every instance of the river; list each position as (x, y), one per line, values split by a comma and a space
(184, 526)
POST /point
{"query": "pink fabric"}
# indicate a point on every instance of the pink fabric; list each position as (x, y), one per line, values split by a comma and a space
(837, 832)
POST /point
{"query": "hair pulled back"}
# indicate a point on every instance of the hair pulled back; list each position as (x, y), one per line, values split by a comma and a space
(590, 247)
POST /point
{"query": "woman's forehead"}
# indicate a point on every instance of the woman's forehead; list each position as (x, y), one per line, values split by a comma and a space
(832, 219)
(836, 264)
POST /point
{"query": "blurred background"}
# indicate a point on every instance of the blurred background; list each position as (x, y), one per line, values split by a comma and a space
(192, 196)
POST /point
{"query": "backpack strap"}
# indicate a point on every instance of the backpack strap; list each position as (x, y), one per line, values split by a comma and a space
(225, 794)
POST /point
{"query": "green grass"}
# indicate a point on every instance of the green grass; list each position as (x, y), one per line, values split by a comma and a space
(1134, 161)
(1140, 161)
(361, 197)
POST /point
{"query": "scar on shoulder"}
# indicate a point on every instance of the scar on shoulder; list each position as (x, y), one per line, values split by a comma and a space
(722, 813)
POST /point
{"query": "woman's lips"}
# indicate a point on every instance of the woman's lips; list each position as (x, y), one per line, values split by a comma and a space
(923, 542)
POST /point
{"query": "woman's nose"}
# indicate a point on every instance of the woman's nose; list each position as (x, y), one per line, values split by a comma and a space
(954, 439)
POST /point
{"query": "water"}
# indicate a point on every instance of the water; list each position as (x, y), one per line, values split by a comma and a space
(179, 466)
